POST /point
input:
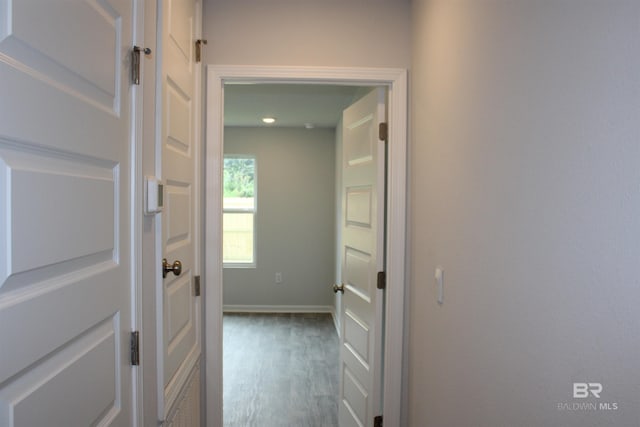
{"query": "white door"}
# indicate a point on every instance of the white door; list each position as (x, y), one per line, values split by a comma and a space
(65, 210)
(180, 165)
(363, 196)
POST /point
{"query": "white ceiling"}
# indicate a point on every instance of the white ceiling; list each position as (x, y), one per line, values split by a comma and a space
(293, 105)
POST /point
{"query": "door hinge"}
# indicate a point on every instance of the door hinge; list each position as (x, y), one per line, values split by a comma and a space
(377, 421)
(383, 131)
(196, 285)
(199, 44)
(135, 63)
(135, 348)
(382, 280)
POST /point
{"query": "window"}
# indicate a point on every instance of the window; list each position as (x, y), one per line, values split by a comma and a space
(239, 212)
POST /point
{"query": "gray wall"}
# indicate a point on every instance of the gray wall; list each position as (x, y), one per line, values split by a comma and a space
(295, 221)
(525, 176)
(344, 33)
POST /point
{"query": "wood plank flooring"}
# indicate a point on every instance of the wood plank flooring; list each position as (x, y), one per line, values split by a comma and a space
(280, 370)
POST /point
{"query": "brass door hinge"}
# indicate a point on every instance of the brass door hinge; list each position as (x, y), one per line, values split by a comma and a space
(196, 285)
(199, 44)
(383, 131)
(135, 348)
(382, 280)
(135, 63)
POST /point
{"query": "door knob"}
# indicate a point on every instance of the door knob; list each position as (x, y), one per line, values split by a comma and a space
(337, 288)
(176, 267)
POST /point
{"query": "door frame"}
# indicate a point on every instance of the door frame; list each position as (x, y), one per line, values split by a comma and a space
(395, 80)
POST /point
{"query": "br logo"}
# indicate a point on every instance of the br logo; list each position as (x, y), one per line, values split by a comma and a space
(583, 390)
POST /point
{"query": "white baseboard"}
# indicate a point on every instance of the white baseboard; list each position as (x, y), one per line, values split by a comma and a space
(233, 308)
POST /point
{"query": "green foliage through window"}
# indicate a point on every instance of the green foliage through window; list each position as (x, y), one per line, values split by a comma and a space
(239, 177)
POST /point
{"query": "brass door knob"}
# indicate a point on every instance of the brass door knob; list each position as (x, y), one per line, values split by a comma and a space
(176, 267)
(337, 288)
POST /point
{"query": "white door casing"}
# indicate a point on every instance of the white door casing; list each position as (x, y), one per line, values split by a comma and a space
(396, 82)
(362, 257)
(179, 318)
(65, 232)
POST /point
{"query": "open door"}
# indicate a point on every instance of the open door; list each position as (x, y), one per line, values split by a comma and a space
(65, 213)
(363, 221)
(179, 320)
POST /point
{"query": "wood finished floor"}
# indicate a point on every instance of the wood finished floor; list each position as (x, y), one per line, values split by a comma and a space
(280, 370)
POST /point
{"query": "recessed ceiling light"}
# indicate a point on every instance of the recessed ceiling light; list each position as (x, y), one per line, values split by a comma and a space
(268, 120)
(309, 125)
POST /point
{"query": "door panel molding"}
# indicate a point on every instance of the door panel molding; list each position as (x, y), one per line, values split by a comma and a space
(80, 67)
(396, 81)
(91, 358)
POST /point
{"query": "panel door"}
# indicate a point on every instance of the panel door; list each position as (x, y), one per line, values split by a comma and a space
(65, 234)
(180, 163)
(363, 193)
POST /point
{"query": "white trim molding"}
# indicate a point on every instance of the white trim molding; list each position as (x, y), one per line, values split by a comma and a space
(396, 81)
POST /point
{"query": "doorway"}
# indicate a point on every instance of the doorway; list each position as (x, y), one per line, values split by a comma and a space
(395, 81)
(282, 203)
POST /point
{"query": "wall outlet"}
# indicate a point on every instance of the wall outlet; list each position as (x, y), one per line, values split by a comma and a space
(278, 277)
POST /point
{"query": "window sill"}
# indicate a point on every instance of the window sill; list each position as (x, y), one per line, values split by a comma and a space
(239, 265)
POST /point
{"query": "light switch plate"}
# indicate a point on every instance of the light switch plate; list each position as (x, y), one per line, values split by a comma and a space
(153, 195)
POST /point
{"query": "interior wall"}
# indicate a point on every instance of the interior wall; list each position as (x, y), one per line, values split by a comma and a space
(338, 33)
(294, 221)
(525, 190)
